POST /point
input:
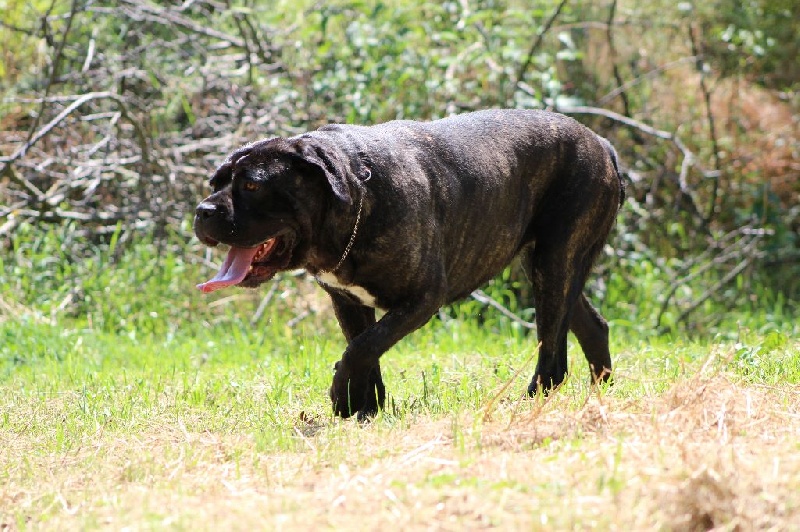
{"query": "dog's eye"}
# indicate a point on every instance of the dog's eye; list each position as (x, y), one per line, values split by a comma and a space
(251, 186)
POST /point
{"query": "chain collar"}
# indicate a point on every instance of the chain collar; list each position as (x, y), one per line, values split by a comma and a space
(355, 229)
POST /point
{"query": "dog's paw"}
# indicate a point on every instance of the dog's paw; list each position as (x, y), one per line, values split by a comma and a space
(544, 384)
(348, 390)
(602, 377)
(375, 396)
(359, 391)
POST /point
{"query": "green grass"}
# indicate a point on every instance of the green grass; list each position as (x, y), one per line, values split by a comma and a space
(91, 418)
(236, 377)
(227, 378)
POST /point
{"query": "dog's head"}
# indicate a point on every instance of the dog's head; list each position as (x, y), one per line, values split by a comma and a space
(266, 199)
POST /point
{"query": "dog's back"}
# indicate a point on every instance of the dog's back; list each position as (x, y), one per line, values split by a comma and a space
(492, 182)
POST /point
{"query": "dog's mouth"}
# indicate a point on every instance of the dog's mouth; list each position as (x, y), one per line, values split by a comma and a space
(250, 267)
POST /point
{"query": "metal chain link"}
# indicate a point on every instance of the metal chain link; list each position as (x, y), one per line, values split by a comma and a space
(352, 237)
(355, 228)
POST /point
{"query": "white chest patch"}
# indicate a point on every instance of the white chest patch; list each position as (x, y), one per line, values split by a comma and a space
(361, 294)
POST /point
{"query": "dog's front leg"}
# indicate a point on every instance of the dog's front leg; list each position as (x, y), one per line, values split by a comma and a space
(354, 319)
(357, 377)
(372, 391)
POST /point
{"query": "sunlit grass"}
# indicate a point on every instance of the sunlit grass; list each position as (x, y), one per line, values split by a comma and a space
(91, 422)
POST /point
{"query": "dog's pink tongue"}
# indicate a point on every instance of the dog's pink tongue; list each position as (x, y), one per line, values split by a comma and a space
(233, 270)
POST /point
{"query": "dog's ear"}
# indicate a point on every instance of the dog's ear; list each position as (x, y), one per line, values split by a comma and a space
(325, 159)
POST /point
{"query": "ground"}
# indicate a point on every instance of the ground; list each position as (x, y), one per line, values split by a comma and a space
(706, 449)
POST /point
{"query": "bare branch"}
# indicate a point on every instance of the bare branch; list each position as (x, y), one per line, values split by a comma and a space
(734, 245)
(647, 75)
(712, 130)
(56, 61)
(688, 161)
(8, 171)
(481, 297)
(731, 275)
(265, 302)
(613, 51)
(167, 16)
(523, 69)
(64, 114)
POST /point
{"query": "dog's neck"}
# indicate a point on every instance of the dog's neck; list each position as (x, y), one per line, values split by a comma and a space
(350, 242)
(361, 194)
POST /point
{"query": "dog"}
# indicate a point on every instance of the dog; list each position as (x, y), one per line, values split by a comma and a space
(407, 216)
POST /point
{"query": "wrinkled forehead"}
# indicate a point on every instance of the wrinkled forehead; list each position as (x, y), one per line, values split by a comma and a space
(224, 174)
(252, 164)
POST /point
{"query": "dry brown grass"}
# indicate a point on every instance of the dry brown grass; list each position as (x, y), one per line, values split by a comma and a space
(709, 453)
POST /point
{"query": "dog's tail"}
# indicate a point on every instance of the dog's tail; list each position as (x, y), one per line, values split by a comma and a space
(615, 161)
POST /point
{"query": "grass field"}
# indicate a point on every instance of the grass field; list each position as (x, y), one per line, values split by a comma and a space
(130, 401)
(219, 427)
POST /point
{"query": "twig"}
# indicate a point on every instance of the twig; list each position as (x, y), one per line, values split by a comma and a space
(712, 130)
(688, 161)
(60, 214)
(523, 69)
(265, 302)
(613, 52)
(265, 54)
(487, 410)
(647, 75)
(56, 62)
(237, 20)
(722, 282)
(481, 297)
(64, 114)
(33, 190)
(650, 130)
(292, 323)
(166, 17)
(706, 263)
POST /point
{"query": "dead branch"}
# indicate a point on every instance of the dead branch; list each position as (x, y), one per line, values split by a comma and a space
(688, 161)
(481, 297)
(523, 69)
(730, 276)
(56, 62)
(79, 101)
(613, 51)
(169, 17)
(712, 130)
(739, 246)
(647, 75)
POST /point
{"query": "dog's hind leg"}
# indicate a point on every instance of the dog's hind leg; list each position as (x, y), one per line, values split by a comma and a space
(558, 266)
(592, 332)
(353, 320)
(550, 292)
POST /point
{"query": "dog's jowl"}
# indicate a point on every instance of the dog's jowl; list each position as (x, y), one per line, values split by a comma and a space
(409, 216)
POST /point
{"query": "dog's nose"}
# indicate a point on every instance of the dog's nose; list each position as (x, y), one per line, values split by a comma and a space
(206, 210)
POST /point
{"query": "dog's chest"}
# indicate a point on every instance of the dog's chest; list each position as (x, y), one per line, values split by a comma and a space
(359, 293)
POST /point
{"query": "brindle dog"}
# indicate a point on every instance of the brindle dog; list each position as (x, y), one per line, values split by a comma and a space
(409, 216)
